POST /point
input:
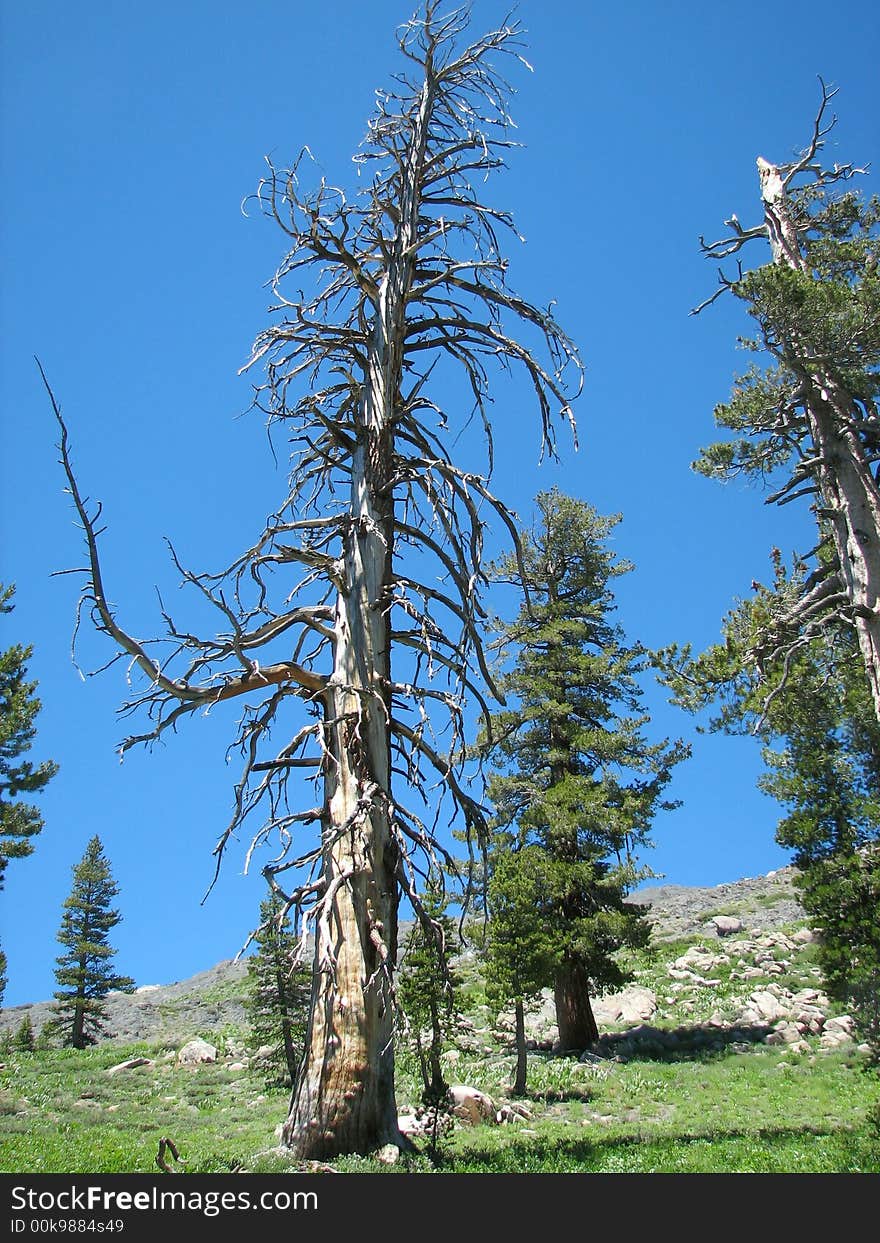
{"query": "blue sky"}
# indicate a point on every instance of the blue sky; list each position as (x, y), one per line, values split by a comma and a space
(131, 135)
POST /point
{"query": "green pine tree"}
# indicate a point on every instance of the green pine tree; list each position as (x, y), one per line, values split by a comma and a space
(812, 707)
(20, 821)
(803, 421)
(84, 972)
(280, 989)
(426, 988)
(575, 774)
(24, 1040)
(523, 951)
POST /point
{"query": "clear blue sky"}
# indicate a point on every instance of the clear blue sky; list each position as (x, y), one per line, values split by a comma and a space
(130, 136)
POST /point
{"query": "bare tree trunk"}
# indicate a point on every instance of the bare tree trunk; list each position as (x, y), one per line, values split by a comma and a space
(344, 1101)
(519, 1083)
(849, 493)
(574, 1014)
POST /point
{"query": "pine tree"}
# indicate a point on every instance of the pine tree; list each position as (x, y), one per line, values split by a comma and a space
(24, 1040)
(426, 989)
(575, 774)
(807, 423)
(19, 821)
(812, 706)
(84, 972)
(278, 1004)
(522, 951)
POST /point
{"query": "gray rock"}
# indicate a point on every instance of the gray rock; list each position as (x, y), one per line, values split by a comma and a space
(726, 925)
(768, 1006)
(632, 1005)
(196, 1052)
(131, 1064)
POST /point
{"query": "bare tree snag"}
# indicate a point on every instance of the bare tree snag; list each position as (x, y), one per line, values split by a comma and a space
(378, 546)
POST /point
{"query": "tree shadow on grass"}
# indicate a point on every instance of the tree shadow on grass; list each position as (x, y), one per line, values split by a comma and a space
(767, 1150)
(656, 1044)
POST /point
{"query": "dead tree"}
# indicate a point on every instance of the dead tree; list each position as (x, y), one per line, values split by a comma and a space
(814, 413)
(376, 550)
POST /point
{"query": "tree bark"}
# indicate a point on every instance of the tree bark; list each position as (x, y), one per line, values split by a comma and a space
(519, 1083)
(574, 1013)
(848, 490)
(344, 1100)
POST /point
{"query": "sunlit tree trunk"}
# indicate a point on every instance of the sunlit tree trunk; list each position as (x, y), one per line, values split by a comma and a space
(849, 494)
(344, 1100)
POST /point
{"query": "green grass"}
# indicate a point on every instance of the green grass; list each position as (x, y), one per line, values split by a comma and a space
(62, 1113)
(765, 1111)
(690, 1109)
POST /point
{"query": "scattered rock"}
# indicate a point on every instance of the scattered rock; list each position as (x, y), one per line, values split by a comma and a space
(632, 1005)
(388, 1154)
(767, 1005)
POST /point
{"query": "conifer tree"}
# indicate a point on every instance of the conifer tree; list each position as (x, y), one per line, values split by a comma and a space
(522, 950)
(807, 424)
(20, 821)
(812, 707)
(84, 972)
(426, 989)
(575, 774)
(24, 1040)
(278, 1004)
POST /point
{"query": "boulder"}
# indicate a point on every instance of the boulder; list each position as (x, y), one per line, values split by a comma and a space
(131, 1064)
(726, 925)
(769, 1007)
(632, 1005)
(471, 1105)
(196, 1052)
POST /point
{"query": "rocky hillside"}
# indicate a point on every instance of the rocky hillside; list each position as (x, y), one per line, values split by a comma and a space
(214, 999)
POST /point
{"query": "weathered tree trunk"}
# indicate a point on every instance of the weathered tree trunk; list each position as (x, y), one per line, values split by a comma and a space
(519, 1082)
(849, 493)
(574, 1013)
(344, 1100)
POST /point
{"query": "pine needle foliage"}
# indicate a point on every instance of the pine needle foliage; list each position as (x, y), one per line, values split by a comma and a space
(85, 973)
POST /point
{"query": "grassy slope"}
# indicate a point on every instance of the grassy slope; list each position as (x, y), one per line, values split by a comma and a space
(761, 1109)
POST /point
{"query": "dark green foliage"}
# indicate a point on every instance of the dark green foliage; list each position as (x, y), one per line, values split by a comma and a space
(24, 1040)
(84, 972)
(575, 778)
(812, 708)
(280, 988)
(523, 951)
(426, 988)
(828, 314)
(19, 821)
